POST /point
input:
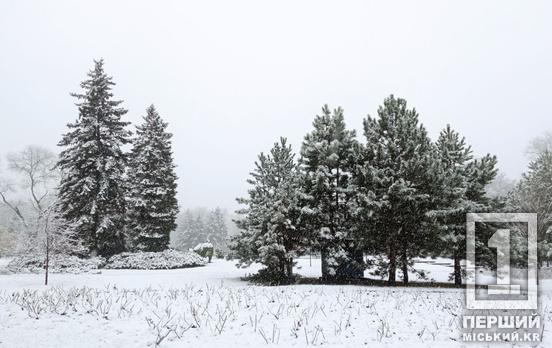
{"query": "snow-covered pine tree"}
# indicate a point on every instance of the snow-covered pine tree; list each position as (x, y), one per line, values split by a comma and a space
(400, 177)
(481, 172)
(328, 158)
(91, 191)
(270, 231)
(463, 191)
(533, 194)
(152, 204)
(454, 156)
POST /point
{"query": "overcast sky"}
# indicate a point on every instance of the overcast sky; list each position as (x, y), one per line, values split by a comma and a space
(232, 76)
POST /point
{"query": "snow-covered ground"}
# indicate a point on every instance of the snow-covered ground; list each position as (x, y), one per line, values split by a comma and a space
(211, 307)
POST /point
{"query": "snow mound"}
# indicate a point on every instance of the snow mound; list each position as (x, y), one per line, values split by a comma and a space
(57, 264)
(168, 259)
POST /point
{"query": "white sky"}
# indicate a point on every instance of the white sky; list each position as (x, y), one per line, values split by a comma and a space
(233, 76)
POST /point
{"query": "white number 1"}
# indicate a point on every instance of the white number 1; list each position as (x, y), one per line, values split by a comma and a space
(500, 240)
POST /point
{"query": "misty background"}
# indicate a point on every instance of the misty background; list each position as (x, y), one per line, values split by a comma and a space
(231, 77)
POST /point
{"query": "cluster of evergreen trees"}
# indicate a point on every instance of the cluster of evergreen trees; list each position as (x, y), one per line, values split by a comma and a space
(395, 194)
(115, 200)
(200, 226)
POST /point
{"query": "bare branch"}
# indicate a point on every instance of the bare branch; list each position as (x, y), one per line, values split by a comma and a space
(37, 165)
(14, 208)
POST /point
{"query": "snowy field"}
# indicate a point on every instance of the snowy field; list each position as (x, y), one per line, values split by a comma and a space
(211, 307)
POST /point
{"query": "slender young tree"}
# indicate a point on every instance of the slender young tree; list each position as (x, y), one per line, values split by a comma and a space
(56, 238)
(92, 163)
(328, 159)
(152, 180)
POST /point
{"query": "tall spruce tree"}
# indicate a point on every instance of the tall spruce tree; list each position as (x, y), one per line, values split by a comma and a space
(328, 159)
(91, 191)
(270, 227)
(152, 179)
(399, 179)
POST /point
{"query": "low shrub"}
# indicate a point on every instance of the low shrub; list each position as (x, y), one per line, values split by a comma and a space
(267, 276)
(57, 264)
(168, 259)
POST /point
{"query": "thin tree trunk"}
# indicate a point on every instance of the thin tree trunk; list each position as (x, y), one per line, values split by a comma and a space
(47, 263)
(392, 255)
(290, 268)
(404, 264)
(47, 266)
(457, 269)
(324, 262)
(358, 257)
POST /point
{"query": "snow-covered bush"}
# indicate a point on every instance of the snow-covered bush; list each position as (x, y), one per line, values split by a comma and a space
(168, 259)
(58, 264)
(205, 250)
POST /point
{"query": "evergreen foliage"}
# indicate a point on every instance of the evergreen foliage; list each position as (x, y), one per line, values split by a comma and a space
(533, 194)
(463, 191)
(92, 187)
(196, 227)
(397, 196)
(270, 228)
(152, 186)
(328, 158)
(398, 178)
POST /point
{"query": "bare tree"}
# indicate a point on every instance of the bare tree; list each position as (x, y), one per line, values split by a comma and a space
(501, 186)
(35, 166)
(539, 145)
(55, 236)
(47, 244)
